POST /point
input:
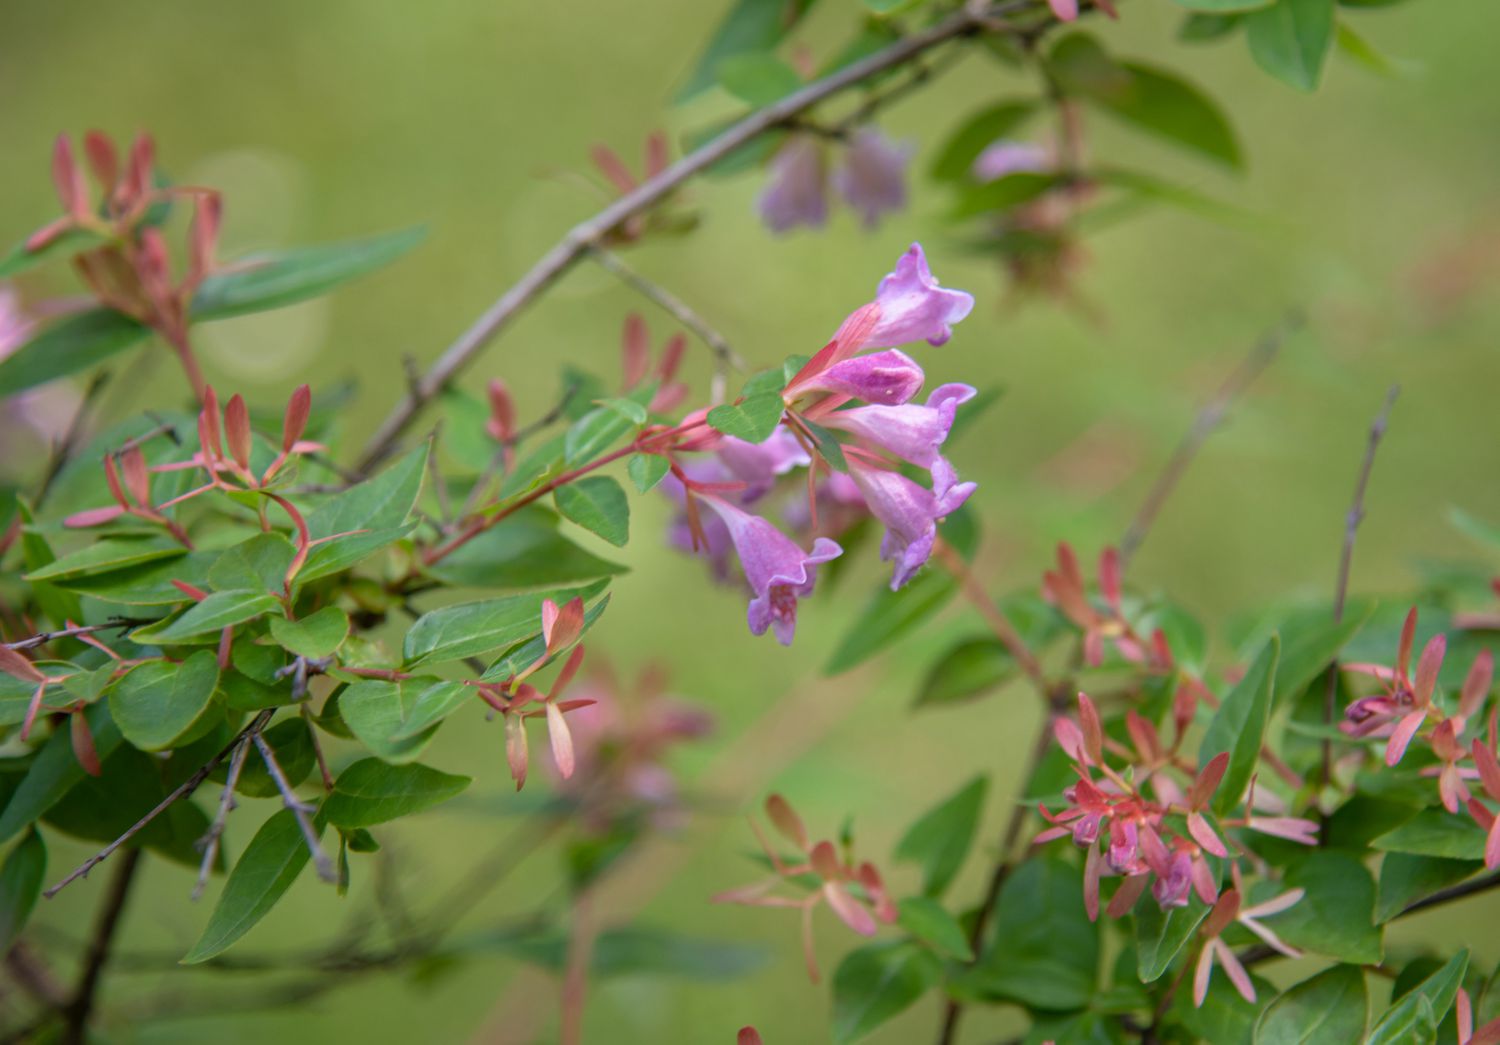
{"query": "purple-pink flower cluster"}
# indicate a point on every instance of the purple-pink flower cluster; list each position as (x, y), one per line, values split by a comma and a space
(859, 390)
(870, 175)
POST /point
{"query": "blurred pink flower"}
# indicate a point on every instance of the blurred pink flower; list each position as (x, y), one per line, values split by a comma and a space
(872, 176)
(1004, 157)
(797, 191)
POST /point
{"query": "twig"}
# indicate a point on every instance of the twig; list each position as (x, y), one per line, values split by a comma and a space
(299, 810)
(999, 623)
(82, 1004)
(183, 790)
(1209, 418)
(210, 841)
(63, 450)
(520, 435)
(725, 357)
(44, 637)
(576, 970)
(578, 240)
(1346, 558)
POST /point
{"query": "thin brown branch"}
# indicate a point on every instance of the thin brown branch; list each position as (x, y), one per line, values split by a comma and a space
(583, 236)
(999, 623)
(1209, 418)
(81, 1006)
(210, 841)
(44, 637)
(183, 790)
(1346, 559)
(725, 357)
(299, 808)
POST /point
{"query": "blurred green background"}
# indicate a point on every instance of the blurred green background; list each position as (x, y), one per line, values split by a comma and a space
(328, 120)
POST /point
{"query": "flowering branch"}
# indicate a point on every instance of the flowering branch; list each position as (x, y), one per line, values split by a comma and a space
(583, 237)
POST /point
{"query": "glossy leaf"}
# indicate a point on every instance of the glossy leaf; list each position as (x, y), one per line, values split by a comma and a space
(968, 670)
(340, 553)
(315, 636)
(598, 504)
(1416, 1016)
(261, 876)
(1239, 727)
(752, 26)
(524, 655)
(1161, 935)
(372, 792)
(928, 921)
(941, 837)
(1435, 832)
(205, 620)
(468, 628)
(278, 278)
(753, 418)
(1332, 1008)
(157, 704)
(257, 564)
(377, 504)
(395, 720)
(107, 554)
(1406, 878)
(54, 770)
(1336, 917)
(20, 885)
(1310, 649)
(877, 982)
(523, 553)
(646, 470)
(68, 346)
(1290, 40)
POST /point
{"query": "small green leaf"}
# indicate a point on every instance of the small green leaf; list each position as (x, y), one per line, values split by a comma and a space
(1239, 727)
(1160, 935)
(753, 418)
(1406, 878)
(149, 584)
(1332, 1008)
(157, 704)
(1415, 1017)
(1003, 194)
(264, 872)
(278, 278)
(1311, 649)
(68, 346)
(54, 771)
(372, 792)
(941, 837)
(377, 504)
(646, 470)
(20, 885)
(395, 720)
(974, 135)
(1206, 28)
(1336, 916)
(928, 921)
(462, 630)
(523, 553)
(877, 982)
(758, 79)
(602, 427)
(752, 26)
(205, 619)
(1363, 53)
(340, 553)
(598, 504)
(1290, 40)
(967, 670)
(314, 636)
(107, 554)
(631, 410)
(257, 564)
(523, 656)
(1435, 832)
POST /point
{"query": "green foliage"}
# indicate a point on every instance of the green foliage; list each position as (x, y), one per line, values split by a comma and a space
(1239, 727)
(941, 837)
(755, 415)
(1415, 1016)
(1290, 40)
(958, 153)
(1336, 917)
(1329, 1009)
(20, 885)
(371, 792)
(599, 505)
(928, 922)
(158, 704)
(751, 27)
(523, 553)
(877, 982)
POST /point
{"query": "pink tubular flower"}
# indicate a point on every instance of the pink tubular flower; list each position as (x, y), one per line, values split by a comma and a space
(887, 378)
(797, 192)
(913, 307)
(758, 465)
(872, 177)
(910, 514)
(1003, 157)
(911, 432)
(777, 570)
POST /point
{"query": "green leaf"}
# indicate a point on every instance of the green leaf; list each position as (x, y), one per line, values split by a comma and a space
(1416, 1016)
(395, 720)
(1003, 194)
(381, 503)
(468, 628)
(967, 670)
(20, 258)
(1362, 52)
(523, 656)
(1205, 28)
(1332, 1008)
(315, 636)
(68, 346)
(1148, 98)
(107, 554)
(264, 872)
(20, 885)
(1310, 650)
(941, 837)
(1160, 935)
(1239, 726)
(1406, 878)
(599, 505)
(928, 921)
(54, 771)
(1336, 917)
(157, 704)
(1290, 40)
(753, 418)
(757, 79)
(646, 470)
(277, 278)
(340, 553)
(207, 618)
(1436, 832)
(602, 427)
(523, 553)
(371, 792)
(632, 410)
(751, 26)
(877, 982)
(291, 741)
(257, 564)
(149, 584)
(59, 604)
(974, 135)
(1042, 950)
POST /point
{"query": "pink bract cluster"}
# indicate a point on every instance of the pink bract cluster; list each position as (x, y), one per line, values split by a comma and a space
(861, 386)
